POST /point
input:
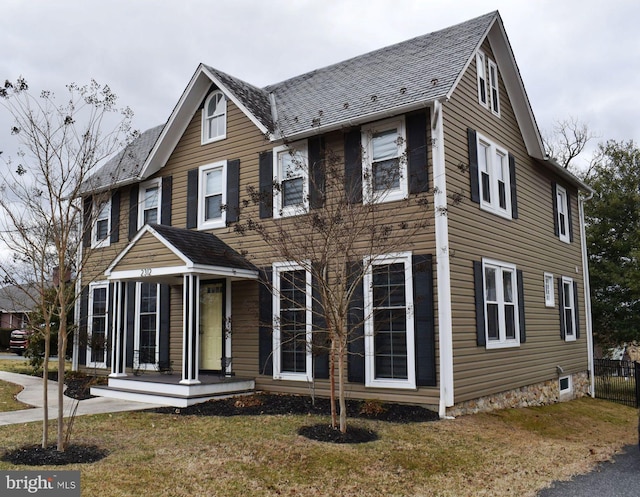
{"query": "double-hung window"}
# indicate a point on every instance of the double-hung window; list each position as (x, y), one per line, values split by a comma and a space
(291, 177)
(102, 225)
(97, 324)
(500, 304)
(147, 324)
(389, 322)
(385, 164)
(214, 118)
(292, 314)
(563, 214)
(568, 309)
(212, 195)
(494, 177)
(149, 202)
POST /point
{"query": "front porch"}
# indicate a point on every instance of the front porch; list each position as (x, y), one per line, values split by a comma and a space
(167, 389)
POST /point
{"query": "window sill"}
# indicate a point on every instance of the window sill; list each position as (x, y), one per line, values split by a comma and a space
(498, 212)
(209, 225)
(293, 377)
(101, 244)
(213, 140)
(502, 345)
(396, 384)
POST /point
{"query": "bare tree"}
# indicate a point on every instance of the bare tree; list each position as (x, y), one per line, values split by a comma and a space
(332, 237)
(62, 144)
(567, 141)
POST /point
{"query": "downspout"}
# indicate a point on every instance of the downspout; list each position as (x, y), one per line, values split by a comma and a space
(443, 275)
(587, 292)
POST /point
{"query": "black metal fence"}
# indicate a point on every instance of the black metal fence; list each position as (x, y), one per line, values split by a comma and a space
(617, 381)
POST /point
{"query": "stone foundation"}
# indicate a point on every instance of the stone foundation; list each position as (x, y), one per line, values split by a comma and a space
(539, 394)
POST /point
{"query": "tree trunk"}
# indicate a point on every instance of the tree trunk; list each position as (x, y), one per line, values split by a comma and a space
(62, 345)
(332, 383)
(45, 389)
(341, 389)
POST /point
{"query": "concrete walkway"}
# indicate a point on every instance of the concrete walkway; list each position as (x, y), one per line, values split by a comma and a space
(32, 395)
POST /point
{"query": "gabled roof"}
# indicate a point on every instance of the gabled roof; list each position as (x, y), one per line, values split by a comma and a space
(192, 252)
(18, 298)
(390, 81)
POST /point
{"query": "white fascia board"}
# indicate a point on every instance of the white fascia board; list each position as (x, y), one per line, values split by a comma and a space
(156, 272)
(226, 272)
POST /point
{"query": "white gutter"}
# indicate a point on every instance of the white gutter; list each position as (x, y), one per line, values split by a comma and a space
(587, 291)
(443, 275)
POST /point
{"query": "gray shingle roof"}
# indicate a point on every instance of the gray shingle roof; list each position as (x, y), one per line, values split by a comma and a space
(126, 164)
(202, 248)
(418, 70)
(17, 298)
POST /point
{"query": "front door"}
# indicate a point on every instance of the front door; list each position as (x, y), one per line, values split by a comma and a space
(211, 326)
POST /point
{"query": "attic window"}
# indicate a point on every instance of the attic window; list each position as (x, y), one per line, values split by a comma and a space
(214, 118)
(481, 69)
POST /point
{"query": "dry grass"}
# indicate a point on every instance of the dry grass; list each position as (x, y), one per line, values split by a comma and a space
(514, 452)
(8, 402)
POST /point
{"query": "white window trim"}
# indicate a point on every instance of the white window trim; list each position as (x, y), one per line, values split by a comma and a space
(569, 389)
(157, 182)
(502, 342)
(549, 288)
(481, 63)
(569, 337)
(95, 243)
(278, 374)
(493, 85)
(400, 193)
(369, 343)
(494, 205)
(90, 362)
(204, 136)
(136, 335)
(222, 220)
(562, 201)
(299, 152)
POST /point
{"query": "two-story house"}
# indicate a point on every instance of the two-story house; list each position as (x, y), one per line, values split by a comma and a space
(496, 313)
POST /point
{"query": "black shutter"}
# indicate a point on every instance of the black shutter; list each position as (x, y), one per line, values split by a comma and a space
(115, 217)
(109, 332)
(233, 190)
(473, 165)
(83, 328)
(167, 191)
(316, 171)
(478, 283)
(577, 312)
(521, 318)
(320, 339)
(554, 199)
(265, 326)
(355, 322)
(417, 152)
(353, 166)
(512, 182)
(131, 319)
(133, 211)
(192, 198)
(164, 302)
(424, 320)
(87, 225)
(569, 219)
(266, 184)
(561, 305)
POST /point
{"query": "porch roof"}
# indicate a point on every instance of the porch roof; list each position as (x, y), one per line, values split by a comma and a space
(162, 253)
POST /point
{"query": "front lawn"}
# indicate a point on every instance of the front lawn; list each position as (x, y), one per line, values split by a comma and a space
(506, 453)
(8, 402)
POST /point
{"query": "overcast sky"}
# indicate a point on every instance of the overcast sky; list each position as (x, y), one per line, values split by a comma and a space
(578, 58)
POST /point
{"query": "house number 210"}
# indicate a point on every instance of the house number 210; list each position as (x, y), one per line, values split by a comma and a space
(145, 272)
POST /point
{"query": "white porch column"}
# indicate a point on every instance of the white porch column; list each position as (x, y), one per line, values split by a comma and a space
(191, 324)
(118, 326)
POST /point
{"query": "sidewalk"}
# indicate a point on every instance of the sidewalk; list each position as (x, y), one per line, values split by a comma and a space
(32, 395)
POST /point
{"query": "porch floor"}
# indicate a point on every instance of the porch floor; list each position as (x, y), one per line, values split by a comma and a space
(166, 389)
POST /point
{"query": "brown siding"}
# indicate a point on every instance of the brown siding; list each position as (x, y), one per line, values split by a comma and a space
(148, 252)
(528, 242)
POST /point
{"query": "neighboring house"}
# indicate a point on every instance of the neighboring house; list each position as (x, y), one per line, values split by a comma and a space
(15, 306)
(502, 294)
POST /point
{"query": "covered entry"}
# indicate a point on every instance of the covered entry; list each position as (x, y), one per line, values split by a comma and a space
(193, 266)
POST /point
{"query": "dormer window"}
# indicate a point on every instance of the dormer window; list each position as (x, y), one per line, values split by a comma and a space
(214, 118)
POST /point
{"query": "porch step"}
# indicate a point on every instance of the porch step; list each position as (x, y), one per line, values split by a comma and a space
(174, 395)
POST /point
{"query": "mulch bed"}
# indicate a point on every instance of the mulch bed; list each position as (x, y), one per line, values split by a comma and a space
(325, 433)
(35, 455)
(265, 403)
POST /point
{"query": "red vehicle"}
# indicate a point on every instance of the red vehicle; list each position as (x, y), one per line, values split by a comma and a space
(19, 340)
